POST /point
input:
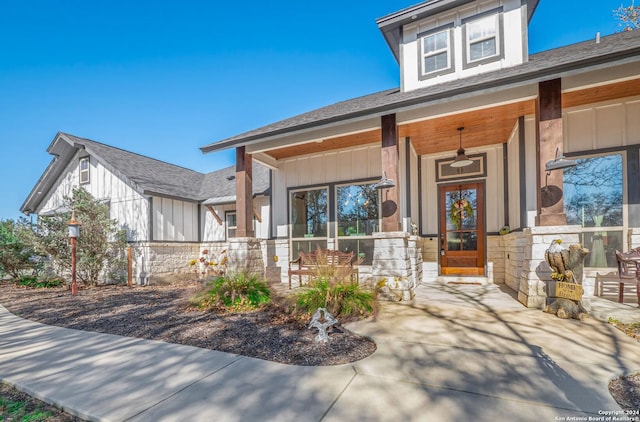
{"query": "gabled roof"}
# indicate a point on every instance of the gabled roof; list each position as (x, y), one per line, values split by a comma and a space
(147, 175)
(617, 48)
(391, 25)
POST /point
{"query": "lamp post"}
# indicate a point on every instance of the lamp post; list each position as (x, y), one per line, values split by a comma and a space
(74, 232)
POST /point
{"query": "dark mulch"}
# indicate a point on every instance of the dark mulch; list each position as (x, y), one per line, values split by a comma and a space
(163, 313)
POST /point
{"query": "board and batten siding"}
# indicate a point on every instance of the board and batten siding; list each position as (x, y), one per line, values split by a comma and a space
(494, 192)
(212, 231)
(609, 124)
(364, 162)
(513, 40)
(175, 220)
(127, 206)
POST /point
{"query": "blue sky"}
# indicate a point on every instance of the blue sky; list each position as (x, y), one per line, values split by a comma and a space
(163, 78)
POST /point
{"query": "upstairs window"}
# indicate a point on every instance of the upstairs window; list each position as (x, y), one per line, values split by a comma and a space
(436, 53)
(84, 170)
(483, 39)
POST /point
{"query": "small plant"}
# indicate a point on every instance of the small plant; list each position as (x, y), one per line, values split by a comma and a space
(35, 282)
(21, 411)
(207, 264)
(235, 292)
(332, 287)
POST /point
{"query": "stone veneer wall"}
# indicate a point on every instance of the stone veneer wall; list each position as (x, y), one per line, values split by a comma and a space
(396, 264)
(513, 252)
(536, 273)
(245, 255)
(496, 259)
(161, 262)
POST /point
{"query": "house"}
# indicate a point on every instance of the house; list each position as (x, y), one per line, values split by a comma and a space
(462, 171)
(171, 213)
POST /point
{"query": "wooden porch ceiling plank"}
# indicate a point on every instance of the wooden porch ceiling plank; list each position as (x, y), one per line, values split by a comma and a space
(601, 93)
(327, 144)
(482, 127)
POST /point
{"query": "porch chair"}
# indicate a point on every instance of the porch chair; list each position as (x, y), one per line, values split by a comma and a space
(628, 269)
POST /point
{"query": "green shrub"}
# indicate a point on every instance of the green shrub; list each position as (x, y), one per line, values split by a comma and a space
(35, 282)
(343, 300)
(333, 287)
(234, 292)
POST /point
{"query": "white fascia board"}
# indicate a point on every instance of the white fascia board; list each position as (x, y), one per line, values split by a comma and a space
(316, 134)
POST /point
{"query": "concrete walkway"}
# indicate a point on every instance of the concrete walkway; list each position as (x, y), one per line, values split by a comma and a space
(454, 353)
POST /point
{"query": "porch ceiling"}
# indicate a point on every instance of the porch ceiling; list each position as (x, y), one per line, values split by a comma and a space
(487, 126)
(481, 127)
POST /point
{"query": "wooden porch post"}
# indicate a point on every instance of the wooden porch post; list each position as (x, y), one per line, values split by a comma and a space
(244, 194)
(390, 197)
(550, 198)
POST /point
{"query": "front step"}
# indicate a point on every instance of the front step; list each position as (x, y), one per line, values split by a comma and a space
(470, 280)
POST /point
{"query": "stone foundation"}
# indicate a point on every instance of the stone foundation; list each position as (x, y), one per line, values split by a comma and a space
(245, 255)
(397, 265)
(163, 262)
(535, 272)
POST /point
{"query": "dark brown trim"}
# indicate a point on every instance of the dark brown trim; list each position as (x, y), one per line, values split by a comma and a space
(420, 196)
(522, 172)
(151, 220)
(505, 176)
(407, 153)
(633, 189)
(390, 209)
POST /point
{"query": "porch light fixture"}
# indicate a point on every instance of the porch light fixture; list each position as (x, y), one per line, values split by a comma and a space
(560, 162)
(385, 182)
(461, 159)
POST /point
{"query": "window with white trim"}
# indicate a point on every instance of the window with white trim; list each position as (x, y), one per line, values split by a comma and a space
(84, 170)
(436, 53)
(482, 38)
(232, 224)
(231, 221)
(594, 200)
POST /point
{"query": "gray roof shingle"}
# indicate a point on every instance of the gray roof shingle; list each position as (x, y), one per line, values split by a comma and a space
(150, 176)
(542, 65)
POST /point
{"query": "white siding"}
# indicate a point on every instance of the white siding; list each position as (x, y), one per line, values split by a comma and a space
(610, 124)
(494, 191)
(127, 206)
(174, 220)
(514, 38)
(513, 160)
(212, 231)
(316, 169)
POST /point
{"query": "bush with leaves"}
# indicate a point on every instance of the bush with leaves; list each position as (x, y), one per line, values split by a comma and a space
(234, 292)
(332, 287)
(17, 248)
(101, 245)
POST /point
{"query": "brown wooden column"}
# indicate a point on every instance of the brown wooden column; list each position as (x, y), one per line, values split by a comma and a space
(549, 139)
(244, 193)
(390, 197)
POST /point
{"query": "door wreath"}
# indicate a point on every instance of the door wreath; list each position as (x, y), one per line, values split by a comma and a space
(460, 210)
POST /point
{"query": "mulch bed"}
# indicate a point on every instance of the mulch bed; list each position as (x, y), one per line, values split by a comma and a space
(163, 313)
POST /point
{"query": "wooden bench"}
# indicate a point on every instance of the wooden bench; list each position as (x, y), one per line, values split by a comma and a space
(308, 263)
(628, 269)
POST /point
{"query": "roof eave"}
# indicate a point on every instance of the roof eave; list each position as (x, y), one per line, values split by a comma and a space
(532, 76)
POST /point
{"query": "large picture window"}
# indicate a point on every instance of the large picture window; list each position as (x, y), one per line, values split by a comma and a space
(593, 199)
(357, 219)
(309, 215)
